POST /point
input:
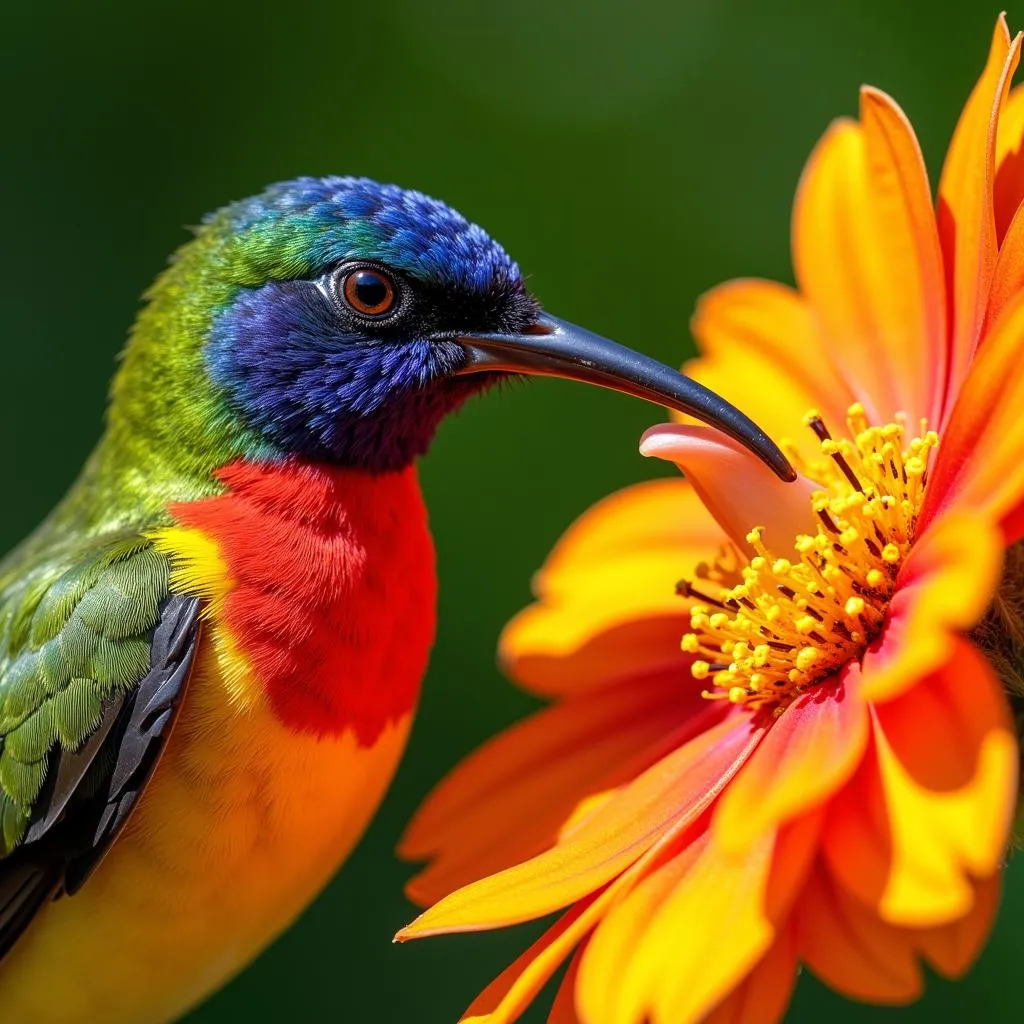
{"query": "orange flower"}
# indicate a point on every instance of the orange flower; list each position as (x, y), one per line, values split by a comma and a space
(836, 787)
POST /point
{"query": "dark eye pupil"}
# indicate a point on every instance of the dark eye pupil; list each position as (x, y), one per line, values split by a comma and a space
(370, 289)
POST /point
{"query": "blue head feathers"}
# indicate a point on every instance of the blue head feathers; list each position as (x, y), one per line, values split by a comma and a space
(339, 341)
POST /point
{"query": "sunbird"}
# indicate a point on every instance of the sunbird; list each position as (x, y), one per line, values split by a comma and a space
(211, 650)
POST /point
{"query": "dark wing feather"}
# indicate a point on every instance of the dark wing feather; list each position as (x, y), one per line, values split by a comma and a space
(89, 792)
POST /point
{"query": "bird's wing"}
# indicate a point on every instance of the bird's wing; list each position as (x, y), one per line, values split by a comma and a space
(94, 659)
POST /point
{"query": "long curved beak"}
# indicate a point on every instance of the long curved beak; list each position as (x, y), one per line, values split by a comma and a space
(557, 348)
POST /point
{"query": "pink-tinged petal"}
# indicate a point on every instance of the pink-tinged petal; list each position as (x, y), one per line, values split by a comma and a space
(663, 800)
(966, 215)
(850, 949)
(811, 750)
(540, 773)
(933, 801)
(943, 589)
(761, 348)
(764, 995)
(1009, 186)
(742, 904)
(608, 610)
(980, 463)
(737, 489)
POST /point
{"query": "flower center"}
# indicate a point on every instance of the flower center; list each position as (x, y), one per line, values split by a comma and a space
(768, 630)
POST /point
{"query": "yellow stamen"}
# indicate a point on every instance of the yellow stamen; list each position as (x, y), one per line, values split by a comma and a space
(779, 624)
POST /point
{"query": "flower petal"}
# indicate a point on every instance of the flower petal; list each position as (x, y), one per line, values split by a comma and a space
(967, 225)
(737, 489)
(1008, 277)
(912, 317)
(509, 799)
(850, 949)
(867, 257)
(943, 588)
(980, 464)
(605, 994)
(742, 904)
(563, 1009)
(763, 996)
(933, 801)
(809, 752)
(512, 991)
(666, 798)
(952, 948)
(762, 350)
(608, 608)
(1009, 183)
(552, 648)
(655, 517)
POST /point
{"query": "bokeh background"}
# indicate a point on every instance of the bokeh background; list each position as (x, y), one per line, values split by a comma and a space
(629, 156)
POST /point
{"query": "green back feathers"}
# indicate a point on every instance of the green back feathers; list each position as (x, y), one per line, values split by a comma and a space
(80, 597)
(74, 632)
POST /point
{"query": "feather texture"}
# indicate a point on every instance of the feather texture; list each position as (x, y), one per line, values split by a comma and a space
(94, 655)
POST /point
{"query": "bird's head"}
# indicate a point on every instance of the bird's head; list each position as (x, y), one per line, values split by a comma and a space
(338, 319)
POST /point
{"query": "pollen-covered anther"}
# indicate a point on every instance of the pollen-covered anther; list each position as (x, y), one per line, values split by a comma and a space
(783, 623)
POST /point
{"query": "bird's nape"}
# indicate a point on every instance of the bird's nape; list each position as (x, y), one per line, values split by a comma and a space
(557, 348)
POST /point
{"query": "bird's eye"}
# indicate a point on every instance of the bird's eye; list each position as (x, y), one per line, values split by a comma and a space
(368, 291)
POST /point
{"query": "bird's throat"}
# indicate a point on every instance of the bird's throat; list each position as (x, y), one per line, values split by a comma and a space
(322, 580)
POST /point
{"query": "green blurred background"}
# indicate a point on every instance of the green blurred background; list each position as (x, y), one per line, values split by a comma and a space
(629, 156)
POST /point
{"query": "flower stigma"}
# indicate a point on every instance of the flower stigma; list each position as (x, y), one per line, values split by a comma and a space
(766, 631)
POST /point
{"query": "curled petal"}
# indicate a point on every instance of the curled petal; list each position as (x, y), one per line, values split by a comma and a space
(539, 772)
(980, 465)
(966, 215)
(761, 349)
(737, 489)
(933, 802)
(608, 608)
(809, 752)
(665, 799)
